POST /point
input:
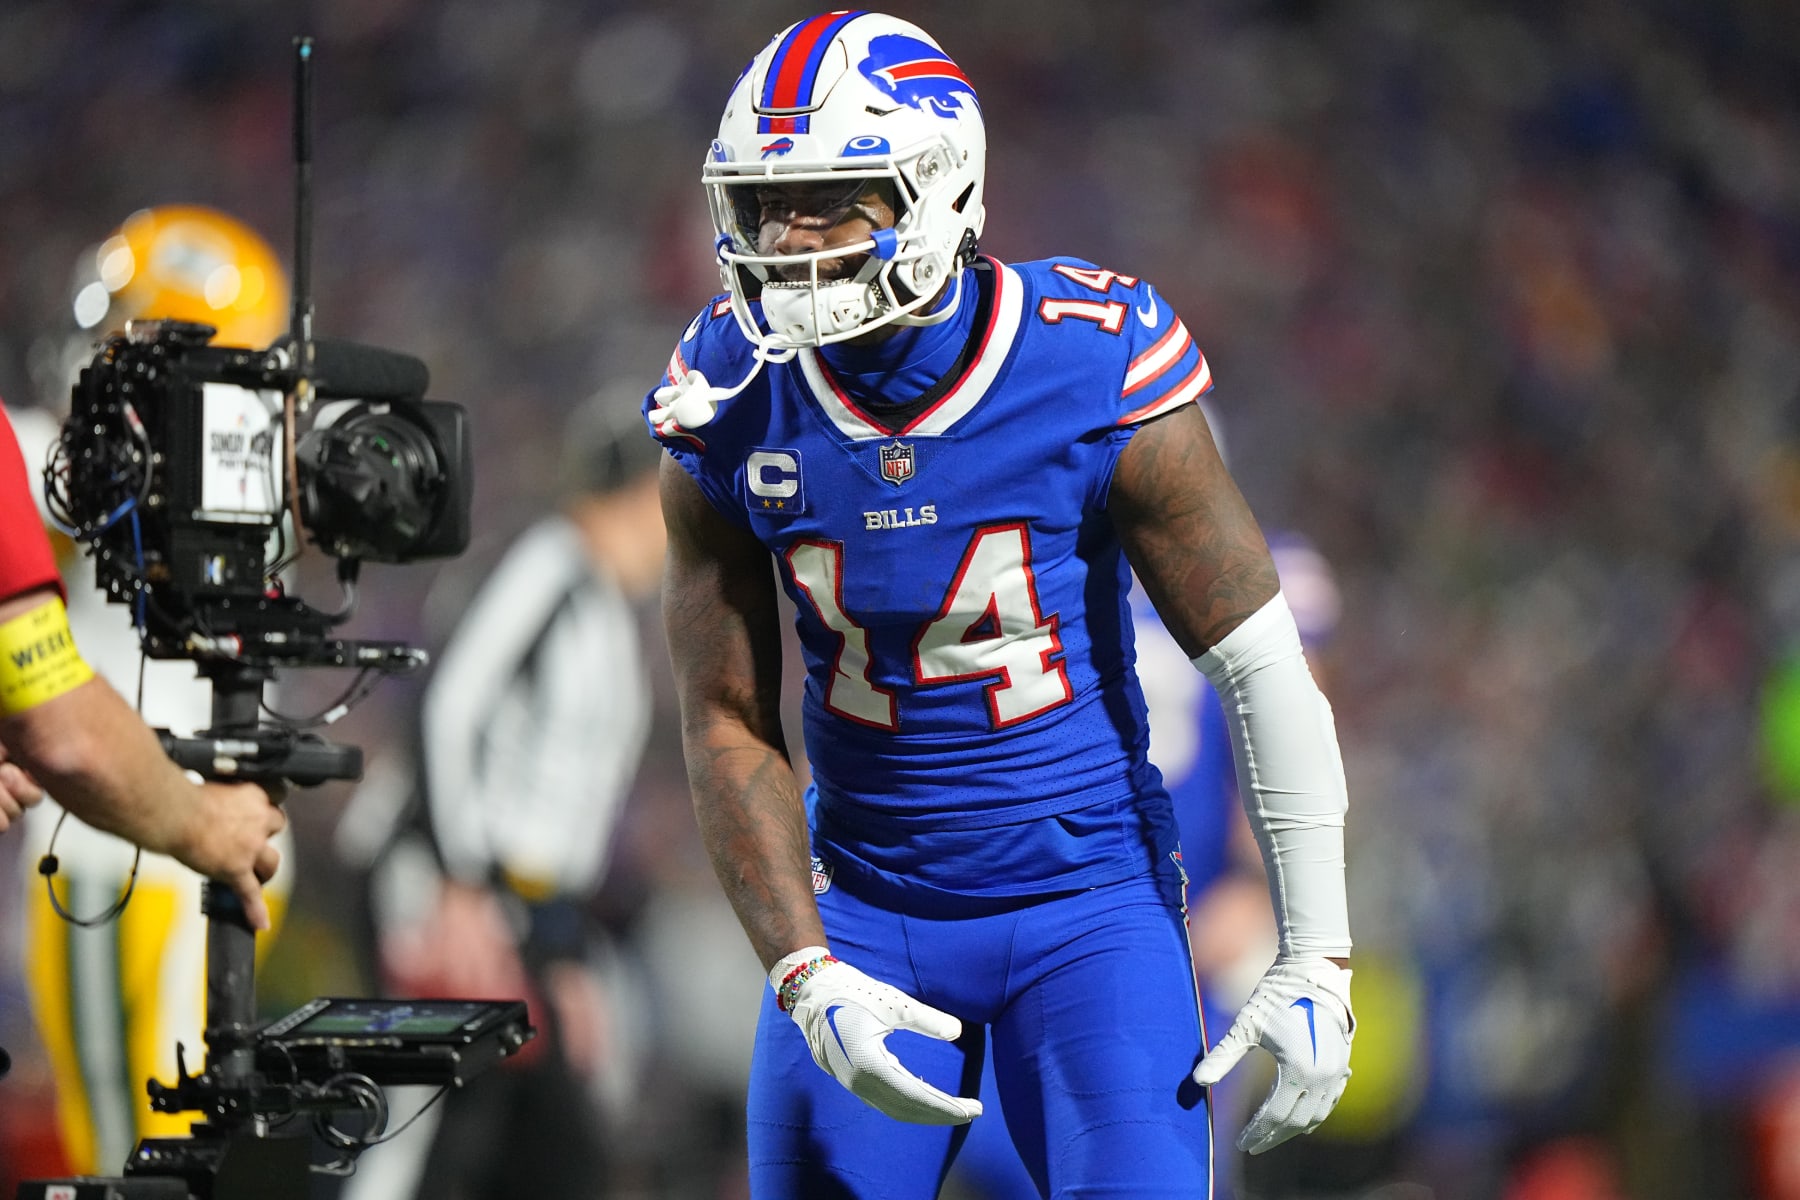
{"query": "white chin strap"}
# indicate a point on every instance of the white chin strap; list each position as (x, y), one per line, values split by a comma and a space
(943, 312)
(797, 317)
(692, 401)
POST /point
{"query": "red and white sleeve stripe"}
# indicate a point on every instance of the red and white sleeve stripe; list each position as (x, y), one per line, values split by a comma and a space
(1169, 374)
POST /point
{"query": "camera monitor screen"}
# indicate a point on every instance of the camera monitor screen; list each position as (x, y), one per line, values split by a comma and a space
(397, 1020)
(395, 1041)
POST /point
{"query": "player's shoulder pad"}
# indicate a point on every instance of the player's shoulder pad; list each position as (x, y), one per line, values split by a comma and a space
(1160, 366)
(1076, 278)
(712, 343)
(1166, 369)
(1079, 295)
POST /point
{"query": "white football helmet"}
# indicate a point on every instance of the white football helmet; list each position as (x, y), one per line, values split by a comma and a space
(848, 97)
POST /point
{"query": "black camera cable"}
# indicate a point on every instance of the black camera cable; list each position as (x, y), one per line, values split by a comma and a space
(47, 867)
(371, 1100)
(49, 864)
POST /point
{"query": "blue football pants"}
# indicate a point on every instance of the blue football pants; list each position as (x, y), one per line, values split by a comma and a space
(988, 1167)
(1089, 1001)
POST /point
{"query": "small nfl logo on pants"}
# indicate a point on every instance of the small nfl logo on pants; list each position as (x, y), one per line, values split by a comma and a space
(897, 462)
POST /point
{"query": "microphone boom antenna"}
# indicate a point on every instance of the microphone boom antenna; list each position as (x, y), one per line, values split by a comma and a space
(302, 320)
(300, 324)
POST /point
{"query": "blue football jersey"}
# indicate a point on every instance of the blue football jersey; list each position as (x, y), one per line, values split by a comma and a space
(961, 597)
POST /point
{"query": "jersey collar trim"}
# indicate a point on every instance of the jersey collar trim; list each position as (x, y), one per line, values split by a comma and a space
(996, 344)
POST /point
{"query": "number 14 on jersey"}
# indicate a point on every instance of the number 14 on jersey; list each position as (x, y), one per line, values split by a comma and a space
(989, 627)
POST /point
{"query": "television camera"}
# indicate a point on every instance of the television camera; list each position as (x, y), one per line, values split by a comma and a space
(181, 469)
(191, 471)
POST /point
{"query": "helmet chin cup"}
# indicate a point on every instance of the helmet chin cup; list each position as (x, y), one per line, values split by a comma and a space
(804, 315)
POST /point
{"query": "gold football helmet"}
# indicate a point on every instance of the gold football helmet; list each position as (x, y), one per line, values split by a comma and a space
(189, 263)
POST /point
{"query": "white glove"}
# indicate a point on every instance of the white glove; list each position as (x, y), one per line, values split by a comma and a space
(846, 1017)
(1300, 1013)
(688, 403)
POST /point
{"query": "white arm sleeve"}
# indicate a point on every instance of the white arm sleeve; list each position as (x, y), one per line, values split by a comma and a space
(1291, 776)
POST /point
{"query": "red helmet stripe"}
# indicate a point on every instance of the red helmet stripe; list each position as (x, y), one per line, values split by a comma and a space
(795, 68)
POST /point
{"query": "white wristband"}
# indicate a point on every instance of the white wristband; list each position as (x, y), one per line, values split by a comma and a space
(788, 962)
(1290, 773)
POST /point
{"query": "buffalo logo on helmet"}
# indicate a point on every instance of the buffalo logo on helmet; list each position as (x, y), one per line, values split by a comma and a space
(917, 74)
(778, 147)
(897, 462)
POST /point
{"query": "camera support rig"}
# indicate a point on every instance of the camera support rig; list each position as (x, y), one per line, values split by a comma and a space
(315, 1061)
(231, 1152)
(178, 467)
(237, 747)
(330, 1057)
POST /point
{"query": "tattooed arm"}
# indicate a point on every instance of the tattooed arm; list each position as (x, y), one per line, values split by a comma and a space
(723, 625)
(1195, 546)
(1201, 558)
(1189, 534)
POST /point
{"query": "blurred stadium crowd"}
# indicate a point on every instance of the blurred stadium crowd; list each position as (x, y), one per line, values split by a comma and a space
(1504, 304)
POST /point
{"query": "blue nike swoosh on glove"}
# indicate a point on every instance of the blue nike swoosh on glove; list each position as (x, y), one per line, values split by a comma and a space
(1311, 1030)
(831, 1019)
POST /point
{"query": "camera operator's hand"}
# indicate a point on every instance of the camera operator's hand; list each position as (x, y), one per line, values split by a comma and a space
(229, 842)
(18, 792)
(77, 737)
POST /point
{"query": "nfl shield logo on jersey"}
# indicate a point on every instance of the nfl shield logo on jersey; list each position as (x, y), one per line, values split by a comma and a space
(897, 462)
(821, 873)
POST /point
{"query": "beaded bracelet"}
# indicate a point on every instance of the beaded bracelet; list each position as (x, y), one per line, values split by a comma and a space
(789, 991)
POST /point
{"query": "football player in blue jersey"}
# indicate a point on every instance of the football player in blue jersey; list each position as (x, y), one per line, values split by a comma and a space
(956, 465)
